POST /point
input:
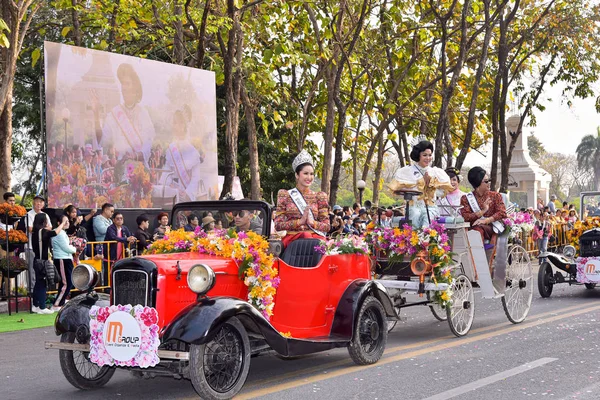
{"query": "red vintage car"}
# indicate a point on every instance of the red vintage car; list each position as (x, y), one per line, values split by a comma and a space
(208, 329)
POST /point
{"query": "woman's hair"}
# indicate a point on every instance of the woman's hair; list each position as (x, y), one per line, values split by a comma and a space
(162, 214)
(453, 172)
(475, 176)
(69, 209)
(192, 217)
(301, 167)
(61, 218)
(418, 148)
(572, 212)
(140, 219)
(39, 222)
(126, 71)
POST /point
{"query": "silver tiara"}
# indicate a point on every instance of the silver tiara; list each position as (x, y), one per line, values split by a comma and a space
(302, 158)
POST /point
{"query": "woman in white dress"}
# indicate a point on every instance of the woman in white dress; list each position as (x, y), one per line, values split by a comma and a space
(184, 159)
(453, 197)
(433, 182)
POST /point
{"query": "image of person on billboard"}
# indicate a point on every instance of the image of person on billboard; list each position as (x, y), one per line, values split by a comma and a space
(183, 158)
(127, 127)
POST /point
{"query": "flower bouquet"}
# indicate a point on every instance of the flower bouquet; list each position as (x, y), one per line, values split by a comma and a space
(16, 264)
(350, 244)
(10, 214)
(14, 236)
(519, 225)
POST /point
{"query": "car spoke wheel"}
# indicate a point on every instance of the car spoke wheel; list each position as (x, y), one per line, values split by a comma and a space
(519, 285)
(220, 367)
(370, 333)
(461, 310)
(545, 280)
(79, 370)
(436, 309)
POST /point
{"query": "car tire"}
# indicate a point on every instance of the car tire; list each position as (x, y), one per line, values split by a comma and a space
(590, 286)
(79, 370)
(545, 279)
(370, 333)
(230, 346)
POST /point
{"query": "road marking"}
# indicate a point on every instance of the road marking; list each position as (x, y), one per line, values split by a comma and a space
(448, 394)
(461, 342)
(390, 350)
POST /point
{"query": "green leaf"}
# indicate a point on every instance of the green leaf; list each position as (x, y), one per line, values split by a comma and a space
(4, 41)
(65, 31)
(35, 56)
(103, 45)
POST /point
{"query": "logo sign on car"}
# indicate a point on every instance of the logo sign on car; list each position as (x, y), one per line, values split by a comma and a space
(122, 336)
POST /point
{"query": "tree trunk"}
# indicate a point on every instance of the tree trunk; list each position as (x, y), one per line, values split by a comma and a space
(5, 149)
(232, 55)
(250, 111)
(77, 35)
(378, 169)
(329, 126)
(339, 151)
(178, 38)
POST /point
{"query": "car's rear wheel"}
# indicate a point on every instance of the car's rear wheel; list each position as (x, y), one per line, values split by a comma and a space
(370, 333)
(79, 370)
(219, 368)
(590, 286)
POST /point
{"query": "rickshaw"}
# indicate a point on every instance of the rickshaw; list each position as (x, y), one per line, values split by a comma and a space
(503, 271)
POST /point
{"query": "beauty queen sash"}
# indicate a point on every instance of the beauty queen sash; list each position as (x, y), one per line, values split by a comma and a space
(496, 225)
(131, 134)
(300, 202)
(179, 163)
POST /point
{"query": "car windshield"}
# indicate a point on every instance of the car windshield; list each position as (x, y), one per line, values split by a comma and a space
(591, 204)
(242, 218)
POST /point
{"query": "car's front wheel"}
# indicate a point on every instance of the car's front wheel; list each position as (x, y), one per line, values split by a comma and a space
(370, 333)
(219, 368)
(79, 370)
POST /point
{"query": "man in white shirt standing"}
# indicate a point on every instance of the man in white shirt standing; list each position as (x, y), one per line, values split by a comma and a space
(551, 205)
(38, 204)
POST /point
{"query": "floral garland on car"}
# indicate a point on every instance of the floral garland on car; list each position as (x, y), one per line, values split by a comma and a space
(248, 249)
(351, 244)
(409, 241)
(579, 227)
(147, 319)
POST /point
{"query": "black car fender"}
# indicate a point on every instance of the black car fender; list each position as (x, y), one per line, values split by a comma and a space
(77, 311)
(351, 301)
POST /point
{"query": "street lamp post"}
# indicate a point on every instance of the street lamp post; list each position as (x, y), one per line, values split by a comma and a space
(360, 185)
(66, 115)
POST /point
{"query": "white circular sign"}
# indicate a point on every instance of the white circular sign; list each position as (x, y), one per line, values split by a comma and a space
(122, 336)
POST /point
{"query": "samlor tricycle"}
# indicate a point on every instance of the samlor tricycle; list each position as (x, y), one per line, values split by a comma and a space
(503, 270)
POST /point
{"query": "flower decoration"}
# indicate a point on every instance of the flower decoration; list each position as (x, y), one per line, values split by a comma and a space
(14, 236)
(248, 249)
(409, 241)
(519, 224)
(579, 227)
(351, 244)
(15, 263)
(147, 319)
(12, 211)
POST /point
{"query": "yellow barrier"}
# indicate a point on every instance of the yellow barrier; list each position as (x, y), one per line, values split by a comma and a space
(559, 232)
(97, 260)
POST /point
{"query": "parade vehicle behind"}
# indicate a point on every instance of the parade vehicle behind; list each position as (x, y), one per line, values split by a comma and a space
(203, 303)
(501, 269)
(579, 262)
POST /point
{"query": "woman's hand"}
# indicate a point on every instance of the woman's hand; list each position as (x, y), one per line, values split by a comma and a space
(427, 179)
(486, 205)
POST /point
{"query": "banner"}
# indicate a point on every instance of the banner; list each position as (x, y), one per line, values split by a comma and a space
(132, 132)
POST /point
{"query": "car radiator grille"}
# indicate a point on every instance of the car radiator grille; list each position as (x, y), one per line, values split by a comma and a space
(130, 287)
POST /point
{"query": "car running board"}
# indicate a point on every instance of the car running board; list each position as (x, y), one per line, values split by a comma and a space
(413, 286)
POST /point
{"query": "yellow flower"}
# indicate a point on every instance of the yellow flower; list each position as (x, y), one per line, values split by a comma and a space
(445, 296)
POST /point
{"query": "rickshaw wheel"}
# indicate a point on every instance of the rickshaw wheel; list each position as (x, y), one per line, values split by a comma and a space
(438, 311)
(370, 333)
(219, 368)
(545, 283)
(590, 286)
(519, 285)
(461, 311)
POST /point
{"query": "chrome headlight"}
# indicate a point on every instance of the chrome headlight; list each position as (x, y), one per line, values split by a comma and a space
(569, 251)
(84, 277)
(201, 278)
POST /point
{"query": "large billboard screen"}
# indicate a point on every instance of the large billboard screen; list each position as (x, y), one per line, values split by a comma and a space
(132, 132)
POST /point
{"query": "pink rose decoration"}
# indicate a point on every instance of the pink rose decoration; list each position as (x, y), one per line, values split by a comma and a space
(103, 314)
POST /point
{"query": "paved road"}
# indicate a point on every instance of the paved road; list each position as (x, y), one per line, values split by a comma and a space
(554, 354)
